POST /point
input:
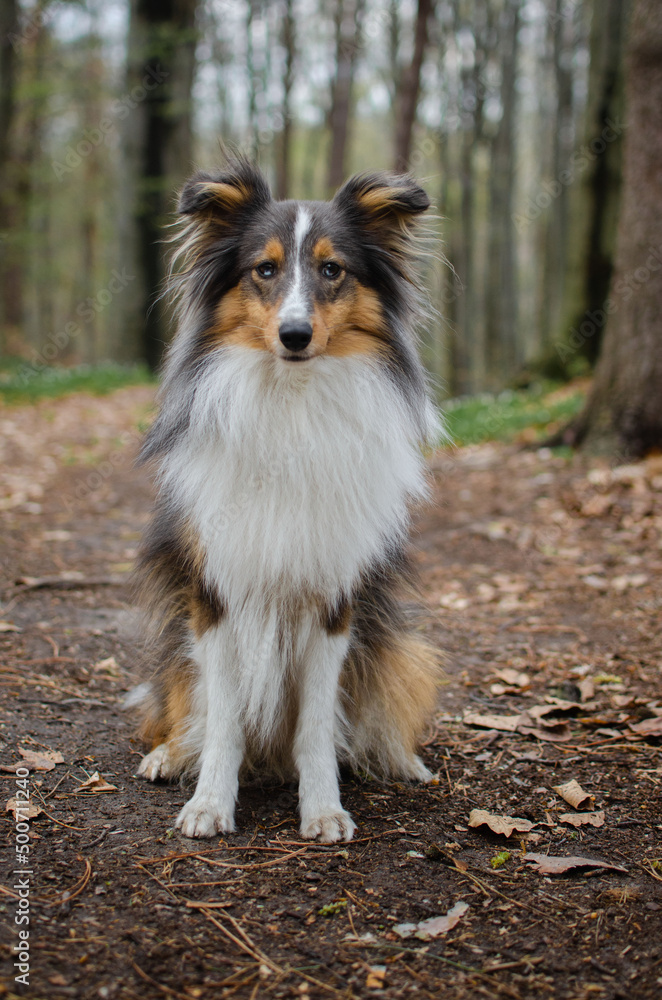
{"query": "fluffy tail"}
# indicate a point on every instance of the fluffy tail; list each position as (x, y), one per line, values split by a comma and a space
(390, 696)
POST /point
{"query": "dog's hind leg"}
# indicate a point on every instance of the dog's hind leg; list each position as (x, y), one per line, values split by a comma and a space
(322, 815)
(211, 809)
(156, 764)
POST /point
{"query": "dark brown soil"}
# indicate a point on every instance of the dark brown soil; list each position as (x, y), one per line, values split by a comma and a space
(531, 564)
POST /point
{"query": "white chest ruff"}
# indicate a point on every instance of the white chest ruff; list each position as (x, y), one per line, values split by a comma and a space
(295, 480)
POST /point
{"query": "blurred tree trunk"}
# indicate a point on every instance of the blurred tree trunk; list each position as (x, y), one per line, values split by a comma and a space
(555, 246)
(409, 88)
(157, 158)
(97, 346)
(623, 415)
(20, 169)
(284, 140)
(394, 37)
(252, 81)
(502, 347)
(9, 32)
(348, 16)
(467, 345)
(601, 189)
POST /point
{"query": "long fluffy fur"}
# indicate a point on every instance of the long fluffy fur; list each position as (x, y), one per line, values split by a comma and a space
(279, 536)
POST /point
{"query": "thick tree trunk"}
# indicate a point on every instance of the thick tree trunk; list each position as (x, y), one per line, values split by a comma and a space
(623, 415)
(410, 85)
(157, 158)
(348, 18)
(601, 189)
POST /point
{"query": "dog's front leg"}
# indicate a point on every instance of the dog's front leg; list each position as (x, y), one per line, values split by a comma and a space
(322, 815)
(211, 809)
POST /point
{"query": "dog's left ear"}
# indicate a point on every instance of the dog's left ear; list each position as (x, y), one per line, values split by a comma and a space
(387, 205)
(224, 197)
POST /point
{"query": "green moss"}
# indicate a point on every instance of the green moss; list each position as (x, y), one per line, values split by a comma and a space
(330, 909)
(21, 382)
(537, 411)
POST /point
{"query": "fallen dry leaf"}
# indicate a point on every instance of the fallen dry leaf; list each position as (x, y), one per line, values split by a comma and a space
(96, 783)
(598, 505)
(583, 819)
(560, 733)
(8, 627)
(23, 810)
(621, 583)
(375, 978)
(622, 700)
(548, 865)
(649, 727)
(513, 677)
(504, 723)
(586, 689)
(499, 824)
(35, 760)
(575, 795)
(109, 666)
(434, 926)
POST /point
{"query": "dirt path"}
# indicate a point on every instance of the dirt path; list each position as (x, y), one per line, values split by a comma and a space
(544, 580)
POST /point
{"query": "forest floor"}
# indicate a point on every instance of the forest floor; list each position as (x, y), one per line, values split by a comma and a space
(543, 577)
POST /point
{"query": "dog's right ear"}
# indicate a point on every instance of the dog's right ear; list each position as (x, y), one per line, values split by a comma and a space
(225, 196)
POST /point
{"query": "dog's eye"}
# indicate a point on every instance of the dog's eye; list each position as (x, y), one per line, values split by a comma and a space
(266, 269)
(330, 269)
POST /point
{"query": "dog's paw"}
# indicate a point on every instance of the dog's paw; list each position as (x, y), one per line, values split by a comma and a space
(328, 828)
(417, 770)
(156, 764)
(205, 816)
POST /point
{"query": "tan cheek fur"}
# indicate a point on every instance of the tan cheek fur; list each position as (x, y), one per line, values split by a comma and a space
(244, 319)
(353, 324)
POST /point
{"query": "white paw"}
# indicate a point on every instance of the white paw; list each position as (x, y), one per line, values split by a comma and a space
(156, 764)
(418, 771)
(328, 828)
(205, 816)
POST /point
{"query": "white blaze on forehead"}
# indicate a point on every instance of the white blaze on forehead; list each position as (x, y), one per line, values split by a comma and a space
(294, 306)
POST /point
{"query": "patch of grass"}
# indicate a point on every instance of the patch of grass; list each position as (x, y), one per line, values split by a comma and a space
(21, 382)
(533, 413)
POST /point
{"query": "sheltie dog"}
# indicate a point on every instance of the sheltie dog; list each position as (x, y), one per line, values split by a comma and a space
(289, 441)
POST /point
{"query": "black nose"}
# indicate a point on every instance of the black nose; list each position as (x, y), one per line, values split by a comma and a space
(295, 336)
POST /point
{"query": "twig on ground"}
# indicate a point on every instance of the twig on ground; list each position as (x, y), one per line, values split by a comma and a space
(79, 887)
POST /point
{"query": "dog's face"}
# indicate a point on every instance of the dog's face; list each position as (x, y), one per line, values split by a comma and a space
(299, 279)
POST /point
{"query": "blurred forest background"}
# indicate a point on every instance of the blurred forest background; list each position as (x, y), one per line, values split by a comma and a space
(511, 112)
